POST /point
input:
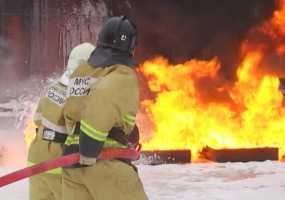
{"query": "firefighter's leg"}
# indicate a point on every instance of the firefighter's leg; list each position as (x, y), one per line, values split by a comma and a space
(45, 186)
(55, 184)
(39, 189)
(72, 188)
(109, 180)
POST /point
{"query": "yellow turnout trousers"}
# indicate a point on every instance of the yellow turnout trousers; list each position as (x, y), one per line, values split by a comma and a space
(106, 180)
(45, 186)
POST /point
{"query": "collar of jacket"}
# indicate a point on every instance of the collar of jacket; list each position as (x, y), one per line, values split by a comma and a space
(105, 57)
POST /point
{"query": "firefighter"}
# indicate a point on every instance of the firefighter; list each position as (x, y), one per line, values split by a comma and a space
(51, 131)
(100, 113)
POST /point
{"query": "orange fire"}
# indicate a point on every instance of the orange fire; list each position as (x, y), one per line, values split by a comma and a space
(29, 132)
(276, 26)
(195, 107)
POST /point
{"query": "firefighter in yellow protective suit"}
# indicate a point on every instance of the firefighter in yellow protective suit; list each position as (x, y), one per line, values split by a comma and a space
(51, 130)
(100, 113)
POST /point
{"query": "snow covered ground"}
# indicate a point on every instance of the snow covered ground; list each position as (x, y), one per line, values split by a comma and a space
(229, 181)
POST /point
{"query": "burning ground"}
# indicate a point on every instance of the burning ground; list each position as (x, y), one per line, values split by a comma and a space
(193, 105)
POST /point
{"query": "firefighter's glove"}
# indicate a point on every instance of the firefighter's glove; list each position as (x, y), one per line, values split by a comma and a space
(87, 160)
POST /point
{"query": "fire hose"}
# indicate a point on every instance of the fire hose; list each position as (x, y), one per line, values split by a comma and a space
(105, 154)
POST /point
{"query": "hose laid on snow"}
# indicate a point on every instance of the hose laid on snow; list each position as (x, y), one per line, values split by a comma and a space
(105, 154)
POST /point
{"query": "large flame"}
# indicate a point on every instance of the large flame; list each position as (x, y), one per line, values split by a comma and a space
(182, 120)
(195, 107)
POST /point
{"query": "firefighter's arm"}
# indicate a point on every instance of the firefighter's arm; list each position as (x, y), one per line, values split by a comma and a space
(38, 114)
(98, 118)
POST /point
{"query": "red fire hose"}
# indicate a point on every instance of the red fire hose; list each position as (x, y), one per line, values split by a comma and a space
(65, 161)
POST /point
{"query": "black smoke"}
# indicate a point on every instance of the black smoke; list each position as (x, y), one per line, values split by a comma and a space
(194, 28)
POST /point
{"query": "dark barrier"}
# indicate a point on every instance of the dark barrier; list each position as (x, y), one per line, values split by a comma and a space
(240, 155)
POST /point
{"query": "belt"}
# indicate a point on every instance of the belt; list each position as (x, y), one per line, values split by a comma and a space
(51, 135)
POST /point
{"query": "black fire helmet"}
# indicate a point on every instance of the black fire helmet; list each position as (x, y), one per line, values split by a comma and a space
(118, 33)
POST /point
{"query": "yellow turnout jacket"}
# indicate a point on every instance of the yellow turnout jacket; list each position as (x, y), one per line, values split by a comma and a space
(99, 99)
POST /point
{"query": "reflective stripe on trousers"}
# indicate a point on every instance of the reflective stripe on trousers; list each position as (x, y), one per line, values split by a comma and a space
(57, 171)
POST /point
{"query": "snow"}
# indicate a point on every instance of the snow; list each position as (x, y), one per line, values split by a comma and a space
(229, 181)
